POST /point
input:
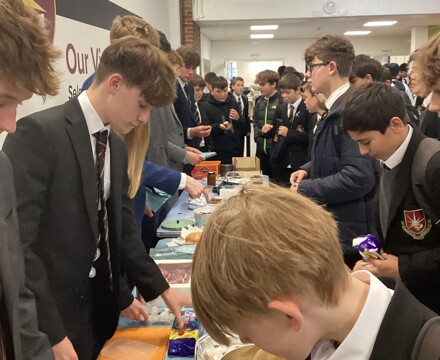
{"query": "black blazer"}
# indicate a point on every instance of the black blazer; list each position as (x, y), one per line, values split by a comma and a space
(19, 304)
(298, 134)
(419, 259)
(400, 327)
(185, 112)
(430, 124)
(55, 180)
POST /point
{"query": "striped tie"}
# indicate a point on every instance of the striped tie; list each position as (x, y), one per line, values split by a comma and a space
(103, 241)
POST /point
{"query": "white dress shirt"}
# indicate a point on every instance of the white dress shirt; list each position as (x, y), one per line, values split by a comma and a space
(335, 95)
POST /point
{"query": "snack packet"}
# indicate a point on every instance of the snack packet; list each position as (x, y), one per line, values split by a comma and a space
(368, 246)
(183, 341)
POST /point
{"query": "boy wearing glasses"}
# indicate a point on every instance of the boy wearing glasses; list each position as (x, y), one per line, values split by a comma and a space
(338, 176)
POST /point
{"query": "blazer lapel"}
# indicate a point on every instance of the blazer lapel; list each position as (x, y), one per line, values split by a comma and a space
(401, 187)
(176, 118)
(79, 136)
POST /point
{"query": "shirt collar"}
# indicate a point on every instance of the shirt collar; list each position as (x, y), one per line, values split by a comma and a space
(397, 156)
(335, 95)
(427, 100)
(93, 120)
(181, 82)
(295, 104)
(359, 342)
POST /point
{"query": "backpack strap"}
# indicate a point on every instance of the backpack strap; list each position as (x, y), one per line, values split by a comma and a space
(427, 345)
(426, 149)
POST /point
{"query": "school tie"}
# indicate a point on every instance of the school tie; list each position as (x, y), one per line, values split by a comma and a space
(103, 241)
(197, 116)
(186, 88)
(240, 108)
(291, 110)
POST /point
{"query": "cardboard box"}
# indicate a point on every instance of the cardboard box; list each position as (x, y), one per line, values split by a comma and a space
(201, 170)
(246, 166)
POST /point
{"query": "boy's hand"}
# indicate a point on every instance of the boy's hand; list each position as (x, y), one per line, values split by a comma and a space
(200, 131)
(195, 189)
(191, 149)
(282, 131)
(64, 350)
(136, 311)
(389, 266)
(296, 178)
(193, 158)
(234, 115)
(266, 128)
(175, 301)
(226, 127)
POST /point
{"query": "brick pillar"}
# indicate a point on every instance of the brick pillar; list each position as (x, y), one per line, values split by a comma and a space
(190, 30)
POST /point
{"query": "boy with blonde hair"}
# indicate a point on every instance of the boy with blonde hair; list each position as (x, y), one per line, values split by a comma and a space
(269, 268)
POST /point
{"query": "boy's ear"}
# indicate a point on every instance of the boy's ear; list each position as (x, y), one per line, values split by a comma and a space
(114, 82)
(289, 308)
(397, 123)
(369, 78)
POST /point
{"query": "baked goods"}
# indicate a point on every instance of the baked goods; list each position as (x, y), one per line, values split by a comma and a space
(257, 179)
(193, 237)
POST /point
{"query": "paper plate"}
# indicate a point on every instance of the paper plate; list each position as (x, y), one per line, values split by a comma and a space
(176, 225)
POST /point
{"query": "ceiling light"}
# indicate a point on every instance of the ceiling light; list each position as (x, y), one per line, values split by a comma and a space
(380, 23)
(264, 27)
(261, 36)
(355, 33)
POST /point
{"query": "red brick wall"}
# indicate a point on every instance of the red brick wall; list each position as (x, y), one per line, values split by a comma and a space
(190, 30)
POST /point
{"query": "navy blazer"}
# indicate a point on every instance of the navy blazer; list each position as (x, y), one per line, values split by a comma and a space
(186, 112)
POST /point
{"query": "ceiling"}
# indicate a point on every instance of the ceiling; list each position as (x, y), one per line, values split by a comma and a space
(314, 27)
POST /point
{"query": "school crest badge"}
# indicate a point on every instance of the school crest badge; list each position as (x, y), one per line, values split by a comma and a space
(415, 223)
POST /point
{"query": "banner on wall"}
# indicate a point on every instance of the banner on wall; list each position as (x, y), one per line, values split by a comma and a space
(80, 29)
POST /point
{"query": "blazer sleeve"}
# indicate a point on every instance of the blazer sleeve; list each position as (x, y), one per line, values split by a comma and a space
(138, 265)
(354, 180)
(176, 152)
(160, 177)
(32, 172)
(34, 344)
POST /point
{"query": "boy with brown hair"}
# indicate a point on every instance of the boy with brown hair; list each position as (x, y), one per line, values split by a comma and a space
(264, 111)
(27, 67)
(269, 268)
(337, 176)
(74, 167)
(237, 88)
(222, 114)
(184, 103)
(292, 122)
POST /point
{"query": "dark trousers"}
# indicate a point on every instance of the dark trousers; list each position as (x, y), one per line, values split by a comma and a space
(351, 259)
(92, 329)
(265, 164)
(281, 175)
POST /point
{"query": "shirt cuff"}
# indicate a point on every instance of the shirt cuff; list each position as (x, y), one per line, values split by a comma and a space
(182, 181)
(188, 134)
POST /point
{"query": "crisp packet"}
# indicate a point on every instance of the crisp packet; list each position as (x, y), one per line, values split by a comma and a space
(183, 341)
(368, 246)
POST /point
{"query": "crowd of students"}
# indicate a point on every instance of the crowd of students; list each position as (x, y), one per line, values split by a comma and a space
(271, 265)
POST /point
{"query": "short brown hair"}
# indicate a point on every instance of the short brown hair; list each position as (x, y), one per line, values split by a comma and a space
(141, 64)
(209, 76)
(133, 25)
(267, 76)
(219, 82)
(197, 80)
(190, 56)
(289, 81)
(235, 79)
(427, 63)
(263, 243)
(27, 57)
(175, 58)
(332, 48)
(364, 65)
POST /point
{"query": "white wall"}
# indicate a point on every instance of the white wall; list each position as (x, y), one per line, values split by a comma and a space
(291, 51)
(206, 50)
(81, 41)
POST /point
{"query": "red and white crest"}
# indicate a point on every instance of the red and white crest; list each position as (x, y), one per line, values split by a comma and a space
(416, 224)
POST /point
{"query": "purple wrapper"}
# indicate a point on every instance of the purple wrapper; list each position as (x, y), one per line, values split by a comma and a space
(368, 246)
